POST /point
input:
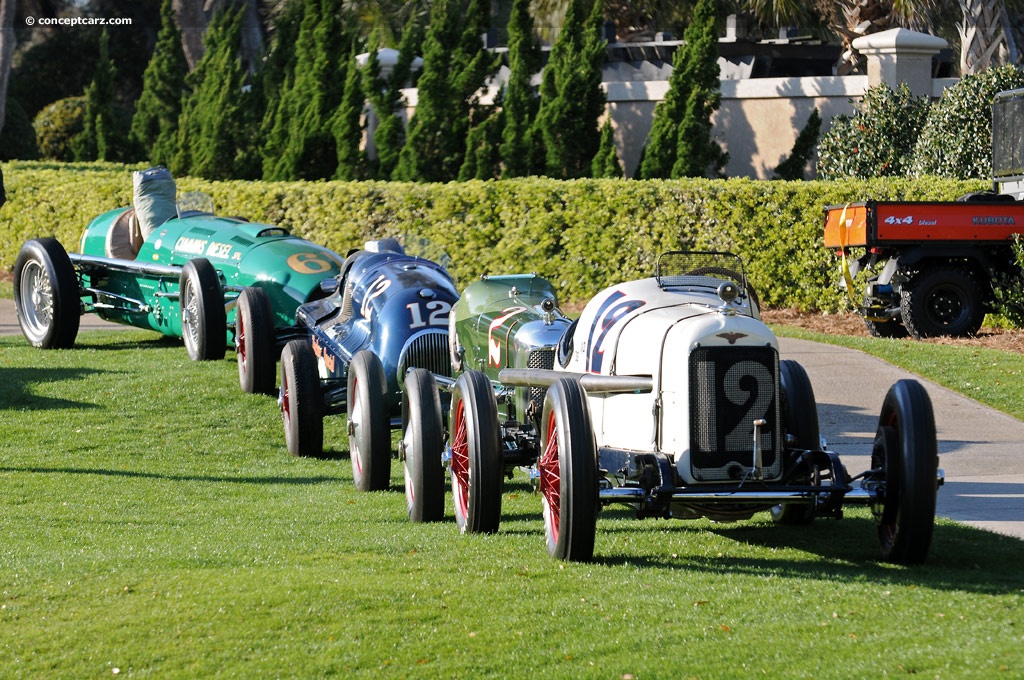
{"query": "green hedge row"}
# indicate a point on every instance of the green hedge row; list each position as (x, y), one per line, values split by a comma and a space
(583, 235)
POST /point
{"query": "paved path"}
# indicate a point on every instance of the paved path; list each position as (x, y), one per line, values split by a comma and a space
(980, 449)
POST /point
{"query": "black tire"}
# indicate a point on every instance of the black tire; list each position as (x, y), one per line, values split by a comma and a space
(46, 294)
(568, 472)
(254, 341)
(203, 319)
(369, 422)
(905, 451)
(945, 300)
(893, 328)
(421, 447)
(800, 419)
(476, 462)
(302, 401)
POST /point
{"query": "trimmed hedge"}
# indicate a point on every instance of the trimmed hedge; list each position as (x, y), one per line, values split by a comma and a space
(583, 234)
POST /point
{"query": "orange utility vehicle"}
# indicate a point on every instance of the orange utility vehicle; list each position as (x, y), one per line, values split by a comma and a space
(931, 264)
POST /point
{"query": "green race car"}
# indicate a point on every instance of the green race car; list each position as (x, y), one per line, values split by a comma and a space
(161, 266)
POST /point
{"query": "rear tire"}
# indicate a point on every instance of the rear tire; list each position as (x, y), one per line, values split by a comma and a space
(800, 416)
(302, 402)
(203, 320)
(254, 341)
(893, 328)
(945, 300)
(476, 464)
(46, 295)
(421, 447)
(905, 450)
(568, 473)
(369, 426)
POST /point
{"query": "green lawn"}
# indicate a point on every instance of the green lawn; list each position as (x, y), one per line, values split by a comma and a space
(153, 525)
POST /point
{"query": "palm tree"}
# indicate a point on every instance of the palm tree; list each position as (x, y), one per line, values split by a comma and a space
(986, 39)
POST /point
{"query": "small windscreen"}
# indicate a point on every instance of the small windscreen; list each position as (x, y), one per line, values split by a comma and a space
(1008, 134)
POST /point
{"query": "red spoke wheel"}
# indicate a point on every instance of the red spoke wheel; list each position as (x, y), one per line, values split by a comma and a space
(568, 472)
(301, 400)
(476, 464)
(369, 422)
(254, 341)
(421, 447)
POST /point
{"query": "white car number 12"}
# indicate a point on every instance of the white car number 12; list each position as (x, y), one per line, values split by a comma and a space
(437, 313)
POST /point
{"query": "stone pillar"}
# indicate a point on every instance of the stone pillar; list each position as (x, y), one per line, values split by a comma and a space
(900, 56)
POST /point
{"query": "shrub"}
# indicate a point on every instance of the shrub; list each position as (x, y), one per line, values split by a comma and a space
(878, 140)
(956, 140)
(56, 125)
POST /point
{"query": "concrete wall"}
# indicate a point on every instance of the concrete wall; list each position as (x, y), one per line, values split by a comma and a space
(757, 123)
(759, 118)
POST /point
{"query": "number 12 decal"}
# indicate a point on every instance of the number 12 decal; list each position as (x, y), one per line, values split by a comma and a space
(437, 314)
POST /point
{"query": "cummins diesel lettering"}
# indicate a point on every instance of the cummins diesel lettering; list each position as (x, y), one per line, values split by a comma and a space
(993, 220)
(193, 246)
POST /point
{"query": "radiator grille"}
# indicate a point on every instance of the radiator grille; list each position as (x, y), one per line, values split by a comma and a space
(428, 350)
(539, 358)
(730, 387)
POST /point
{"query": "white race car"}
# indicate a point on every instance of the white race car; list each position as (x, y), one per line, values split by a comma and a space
(668, 395)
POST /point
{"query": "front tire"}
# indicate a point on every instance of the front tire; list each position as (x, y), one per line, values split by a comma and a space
(568, 472)
(906, 453)
(421, 447)
(800, 416)
(203, 320)
(476, 465)
(46, 295)
(945, 300)
(254, 341)
(369, 428)
(301, 400)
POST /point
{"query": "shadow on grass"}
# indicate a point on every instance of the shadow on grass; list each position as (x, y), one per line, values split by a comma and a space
(102, 472)
(961, 557)
(105, 341)
(17, 395)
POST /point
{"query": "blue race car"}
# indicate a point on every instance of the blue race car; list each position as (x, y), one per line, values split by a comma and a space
(385, 313)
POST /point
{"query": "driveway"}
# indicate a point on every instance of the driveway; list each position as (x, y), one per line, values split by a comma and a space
(980, 449)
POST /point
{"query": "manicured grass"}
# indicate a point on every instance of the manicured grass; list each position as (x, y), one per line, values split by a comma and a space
(154, 525)
(990, 376)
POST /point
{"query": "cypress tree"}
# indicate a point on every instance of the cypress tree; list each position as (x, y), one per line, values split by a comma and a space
(520, 101)
(435, 147)
(571, 100)
(803, 150)
(697, 153)
(100, 138)
(386, 98)
(301, 143)
(483, 145)
(217, 126)
(155, 123)
(606, 160)
(347, 127)
(276, 77)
